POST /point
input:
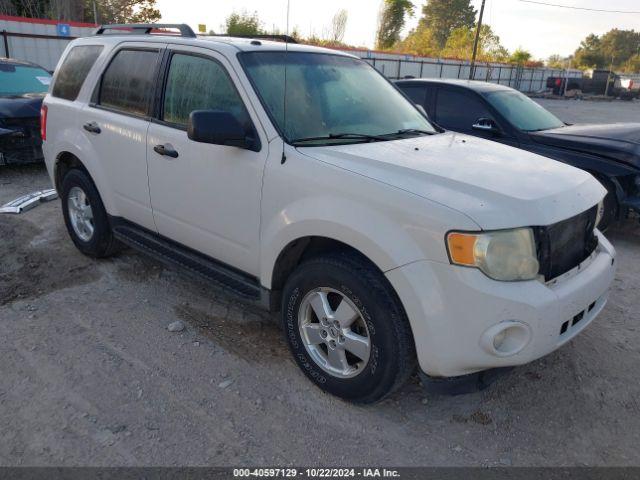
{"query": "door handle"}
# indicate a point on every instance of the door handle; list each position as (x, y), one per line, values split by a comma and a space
(167, 150)
(92, 127)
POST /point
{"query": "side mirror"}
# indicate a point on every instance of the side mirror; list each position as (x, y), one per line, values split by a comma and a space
(219, 128)
(486, 125)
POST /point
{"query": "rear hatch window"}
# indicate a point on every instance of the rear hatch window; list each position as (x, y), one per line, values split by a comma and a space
(74, 70)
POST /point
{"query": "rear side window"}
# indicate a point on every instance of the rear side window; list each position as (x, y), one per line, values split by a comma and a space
(127, 83)
(415, 92)
(197, 83)
(74, 70)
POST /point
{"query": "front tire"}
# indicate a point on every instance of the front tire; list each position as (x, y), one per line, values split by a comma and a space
(85, 216)
(346, 328)
(610, 205)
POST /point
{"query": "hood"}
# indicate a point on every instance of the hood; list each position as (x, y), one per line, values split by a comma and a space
(21, 106)
(619, 141)
(496, 185)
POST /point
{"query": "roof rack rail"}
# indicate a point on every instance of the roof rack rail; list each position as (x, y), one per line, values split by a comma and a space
(266, 36)
(147, 28)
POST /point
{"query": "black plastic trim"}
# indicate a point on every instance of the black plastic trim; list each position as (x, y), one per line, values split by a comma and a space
(147, 28)
(190, 261)
(473, 382)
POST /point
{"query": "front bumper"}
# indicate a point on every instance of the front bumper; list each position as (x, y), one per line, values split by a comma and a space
(20, 151)
(21, 142)
(455, 312)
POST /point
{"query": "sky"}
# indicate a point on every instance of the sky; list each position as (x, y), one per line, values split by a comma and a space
(540, 29)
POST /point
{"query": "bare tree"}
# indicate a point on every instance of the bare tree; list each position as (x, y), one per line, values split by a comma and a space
(109, 11)
(338, 26)
(66, 9)
(7, 7)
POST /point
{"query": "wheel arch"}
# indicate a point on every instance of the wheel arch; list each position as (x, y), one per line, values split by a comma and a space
(301, 248)
(68, 158)
(66, 161)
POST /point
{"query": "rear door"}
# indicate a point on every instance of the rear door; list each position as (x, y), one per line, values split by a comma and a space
(458, 109)
(205, 196)
(117, 121)
(420, 93)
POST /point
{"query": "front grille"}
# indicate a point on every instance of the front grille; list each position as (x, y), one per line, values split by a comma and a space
(24, 148)
(564, 245)
(569, 324)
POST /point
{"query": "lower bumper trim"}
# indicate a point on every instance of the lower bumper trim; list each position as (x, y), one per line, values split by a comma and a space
(463, 384)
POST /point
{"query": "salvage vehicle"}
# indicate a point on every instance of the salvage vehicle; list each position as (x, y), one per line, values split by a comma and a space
(629, 87)
(326, 196)
(23, 85)
(610, 152)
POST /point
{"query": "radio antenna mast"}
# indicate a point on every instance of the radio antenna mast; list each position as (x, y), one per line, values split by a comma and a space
(284, 97)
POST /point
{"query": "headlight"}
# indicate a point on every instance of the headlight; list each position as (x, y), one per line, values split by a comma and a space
(506, 255)
(599, 212)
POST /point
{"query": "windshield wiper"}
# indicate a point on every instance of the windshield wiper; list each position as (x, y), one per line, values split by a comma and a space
(341, 136)
(413, 130)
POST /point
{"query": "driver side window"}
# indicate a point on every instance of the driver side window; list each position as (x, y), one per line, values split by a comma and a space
(199, 83)
(458, 111)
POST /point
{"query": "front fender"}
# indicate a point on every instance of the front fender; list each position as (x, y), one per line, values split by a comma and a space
(305, 197)
(382, 240)
(585, 161)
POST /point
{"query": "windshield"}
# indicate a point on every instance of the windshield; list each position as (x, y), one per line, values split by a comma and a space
(21, 79)
(522, 112)
(331, 96)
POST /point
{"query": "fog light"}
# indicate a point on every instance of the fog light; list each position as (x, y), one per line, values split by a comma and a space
(506, 338)
(498, 340)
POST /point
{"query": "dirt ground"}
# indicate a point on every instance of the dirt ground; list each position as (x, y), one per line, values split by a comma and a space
(89, 374)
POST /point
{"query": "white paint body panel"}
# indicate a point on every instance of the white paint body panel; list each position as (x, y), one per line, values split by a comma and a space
(393, 201)
(496, 185)
(451, 307)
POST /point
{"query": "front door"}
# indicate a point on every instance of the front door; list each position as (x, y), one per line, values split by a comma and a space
(205, 196)
(459, 110)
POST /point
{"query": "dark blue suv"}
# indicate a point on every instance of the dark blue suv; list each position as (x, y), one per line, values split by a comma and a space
(610, 152)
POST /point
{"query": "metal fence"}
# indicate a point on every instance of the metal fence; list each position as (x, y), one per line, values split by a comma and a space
(34, 47)
(38, 40)
(525, 79)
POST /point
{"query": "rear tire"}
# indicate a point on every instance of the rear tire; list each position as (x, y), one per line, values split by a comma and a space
(344, 288)
(85, 216)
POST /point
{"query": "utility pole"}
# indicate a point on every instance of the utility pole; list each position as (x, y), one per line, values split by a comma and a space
(475, 43)
(609, 77)
(566, 78)
(95, 13)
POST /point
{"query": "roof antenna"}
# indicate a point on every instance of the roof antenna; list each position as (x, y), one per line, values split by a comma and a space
(284, 99)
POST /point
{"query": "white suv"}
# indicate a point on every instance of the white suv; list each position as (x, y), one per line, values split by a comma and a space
(300, 178)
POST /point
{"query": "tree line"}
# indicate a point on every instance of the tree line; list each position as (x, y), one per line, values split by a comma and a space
(446, 28)
(106, 11)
